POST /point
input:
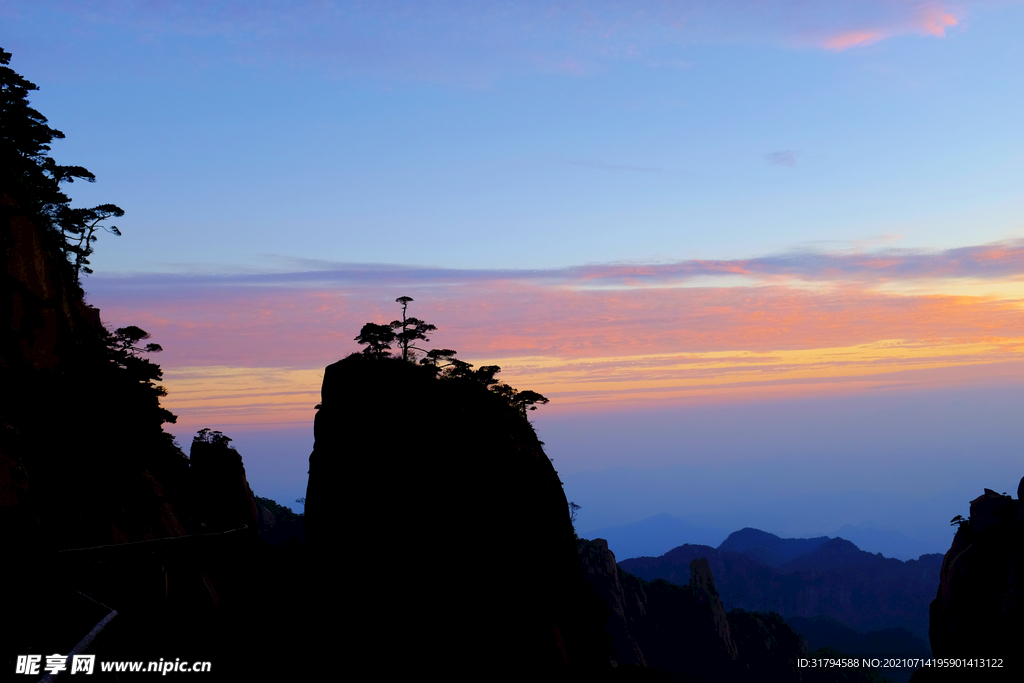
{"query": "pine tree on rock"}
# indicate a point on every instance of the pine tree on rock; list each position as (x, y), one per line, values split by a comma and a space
(413, 329)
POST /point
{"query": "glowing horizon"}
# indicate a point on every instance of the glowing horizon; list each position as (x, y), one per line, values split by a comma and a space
(250, 349)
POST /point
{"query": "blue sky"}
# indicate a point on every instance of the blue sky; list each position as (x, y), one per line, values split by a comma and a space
(243, 134)
(830, 175)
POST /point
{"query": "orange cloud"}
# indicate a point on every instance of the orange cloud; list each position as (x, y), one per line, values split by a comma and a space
(259, 398)
(255, 356)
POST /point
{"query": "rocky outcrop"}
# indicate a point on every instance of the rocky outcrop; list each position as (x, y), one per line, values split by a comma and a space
(684, 632)
(979, 610)
(439, 533)
(626, 610)
(702, 583)
(223, 499)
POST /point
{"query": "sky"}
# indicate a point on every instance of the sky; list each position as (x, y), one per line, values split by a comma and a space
(766, 258)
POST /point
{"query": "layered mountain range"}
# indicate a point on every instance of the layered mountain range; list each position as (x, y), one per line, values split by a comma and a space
(656, 535)
(758, 571)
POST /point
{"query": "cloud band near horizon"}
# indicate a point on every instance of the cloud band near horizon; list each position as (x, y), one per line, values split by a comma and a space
(248, 348)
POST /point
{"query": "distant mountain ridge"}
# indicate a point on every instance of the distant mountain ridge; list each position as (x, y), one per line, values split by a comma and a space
(758, 571)
(654, 536)
(886, 541)
(768, 548)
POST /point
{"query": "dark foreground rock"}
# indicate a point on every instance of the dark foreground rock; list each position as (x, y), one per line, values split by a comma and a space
(440, 533)
(978, 612)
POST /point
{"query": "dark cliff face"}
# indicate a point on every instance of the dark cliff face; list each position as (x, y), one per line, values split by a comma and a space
(98, 506)
(441, 492)
(83, 458)
(279, 525)
(979, 608)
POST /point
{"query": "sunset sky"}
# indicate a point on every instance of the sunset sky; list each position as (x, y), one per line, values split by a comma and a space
(766, 258)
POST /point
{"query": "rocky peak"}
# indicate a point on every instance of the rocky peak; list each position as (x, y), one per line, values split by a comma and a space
(223, 499)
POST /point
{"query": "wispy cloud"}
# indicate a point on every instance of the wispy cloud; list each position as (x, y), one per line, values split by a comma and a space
(784, 157)
(587, 163)
(872, 268)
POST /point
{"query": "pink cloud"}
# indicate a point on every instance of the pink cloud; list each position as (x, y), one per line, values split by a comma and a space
(843, 41)
(928, 18)
(933, 19)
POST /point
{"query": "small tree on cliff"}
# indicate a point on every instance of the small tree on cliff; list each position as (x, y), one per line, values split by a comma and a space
(520, 400)
(78, 228)
(444, 364)
(413, 329)
(125, 351)
(207, 436)
(125, 339)
(448, 366)
(31, 180)
(378, 339)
